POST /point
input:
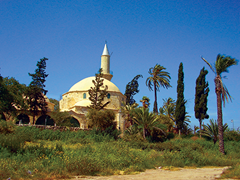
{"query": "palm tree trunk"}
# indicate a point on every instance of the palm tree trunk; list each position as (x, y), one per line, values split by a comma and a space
(219, 114)
(200, 126)
(155, 109)
(144, 136)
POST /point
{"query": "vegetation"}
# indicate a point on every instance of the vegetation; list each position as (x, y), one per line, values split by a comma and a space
(97, 93)
(211, 130)
(145, 120)
(149, 140)
(31, 153)
(35, 91)
(145, 102)
(180, 111)
(11, 97)
(132, 89)
(101, 119)
(221, 65)
(201, 95)
(60, 118)
(158, 77)
(97, 116)
(127, 113)
(167, 113)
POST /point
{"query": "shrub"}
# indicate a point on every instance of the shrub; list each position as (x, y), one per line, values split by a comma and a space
(101, 119)
(6, 127)
(232, 136)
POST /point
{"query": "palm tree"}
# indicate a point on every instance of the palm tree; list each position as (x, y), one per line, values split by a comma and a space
(221, 65)
(158, 78)
(127, 110)
(211, 130)
(168, 109)
(146, 121)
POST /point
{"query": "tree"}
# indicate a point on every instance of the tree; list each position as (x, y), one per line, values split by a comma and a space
(221, 65)
(12, 97)
(145, 102)
(180, 111)
(211, 130)
(35, 92)
(201, 95)
(127, 113)
(146, 121)
(101, 119)
(97, 93)
(60, 118)
(158, 78)
(132, 89)
(168, 110)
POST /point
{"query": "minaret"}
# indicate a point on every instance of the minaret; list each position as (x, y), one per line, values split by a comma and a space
(105, 64)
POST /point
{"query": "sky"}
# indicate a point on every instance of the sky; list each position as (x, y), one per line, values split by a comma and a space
(139, 35)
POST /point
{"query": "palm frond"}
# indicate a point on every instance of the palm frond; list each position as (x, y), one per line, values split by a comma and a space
(209, 65)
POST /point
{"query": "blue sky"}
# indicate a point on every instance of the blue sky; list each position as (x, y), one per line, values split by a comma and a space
(140, 34)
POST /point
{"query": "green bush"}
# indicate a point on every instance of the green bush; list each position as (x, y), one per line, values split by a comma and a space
(6, 127)
(232, 136)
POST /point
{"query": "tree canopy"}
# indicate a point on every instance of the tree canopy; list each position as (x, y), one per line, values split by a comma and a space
(98, 92)
(35, 91)
(221, 65)
(132, 89)
(201, 95)
(180, 111)
(11, 96)
(158, 77)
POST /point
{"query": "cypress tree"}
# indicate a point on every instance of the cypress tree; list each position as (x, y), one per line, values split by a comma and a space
(180, 104)
(201, 95)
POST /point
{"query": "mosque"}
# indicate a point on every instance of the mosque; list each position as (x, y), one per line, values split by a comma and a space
(76, 100)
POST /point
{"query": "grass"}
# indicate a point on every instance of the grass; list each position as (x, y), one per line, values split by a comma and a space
(30, 153)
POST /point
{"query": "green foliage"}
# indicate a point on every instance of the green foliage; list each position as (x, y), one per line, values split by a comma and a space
(201, 95)
(180, 111)
(35, 91)
(146, 121)
(211, 130)
(167, 113)
(55, 102)
(62, 155)
(145, 102)
(39, 78)
(222, 64)
(97, 93)
(6, 127)
(232, 172)
(232, 136)
(132, 89)
(101, 119)
(158, 78)
(127, 113)
(11, 96)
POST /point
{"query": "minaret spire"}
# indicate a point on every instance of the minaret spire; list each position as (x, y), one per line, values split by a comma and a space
(105, 64)
(105, 50)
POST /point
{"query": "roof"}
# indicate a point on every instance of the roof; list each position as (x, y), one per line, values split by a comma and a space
(105, 50)
(86, 84)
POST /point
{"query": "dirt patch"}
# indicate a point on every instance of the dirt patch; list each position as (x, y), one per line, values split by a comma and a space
(160, 174)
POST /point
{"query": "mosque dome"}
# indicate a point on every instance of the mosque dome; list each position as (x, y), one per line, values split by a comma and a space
(86, 84)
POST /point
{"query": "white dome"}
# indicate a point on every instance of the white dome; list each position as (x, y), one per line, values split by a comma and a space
(86, 84)
(85, 103)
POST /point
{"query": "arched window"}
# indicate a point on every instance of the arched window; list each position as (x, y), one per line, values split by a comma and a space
(108, 96)
(84, 95)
